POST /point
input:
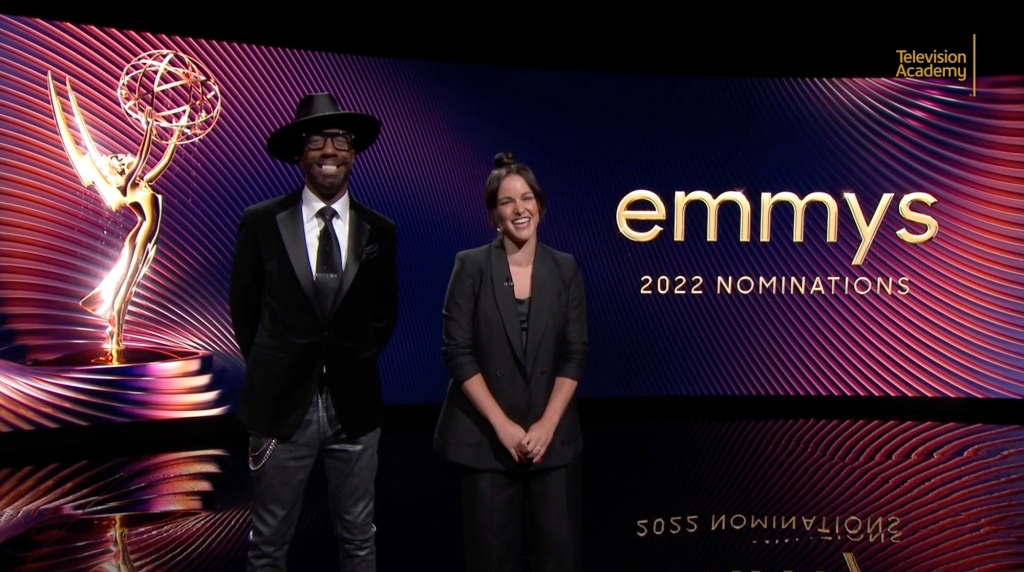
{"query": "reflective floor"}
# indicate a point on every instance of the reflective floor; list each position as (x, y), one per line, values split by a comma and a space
(828, 495)
(188, 511)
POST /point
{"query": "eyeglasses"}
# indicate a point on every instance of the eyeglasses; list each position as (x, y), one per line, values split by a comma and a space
(341, 141)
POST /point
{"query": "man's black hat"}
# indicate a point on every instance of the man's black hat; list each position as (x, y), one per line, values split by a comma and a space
(316, 112)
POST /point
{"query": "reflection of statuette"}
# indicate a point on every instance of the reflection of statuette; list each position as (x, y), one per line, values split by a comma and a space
(120, 560)
(155, 512)
(172, 99)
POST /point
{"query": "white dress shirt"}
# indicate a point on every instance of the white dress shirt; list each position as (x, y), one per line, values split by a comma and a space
(312, 225)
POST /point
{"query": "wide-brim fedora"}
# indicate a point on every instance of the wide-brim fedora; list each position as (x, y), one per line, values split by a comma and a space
(316, 112)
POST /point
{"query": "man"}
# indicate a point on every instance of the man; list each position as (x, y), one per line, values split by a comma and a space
(314, 299)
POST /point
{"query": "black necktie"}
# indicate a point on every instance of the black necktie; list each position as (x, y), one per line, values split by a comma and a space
(327, 278)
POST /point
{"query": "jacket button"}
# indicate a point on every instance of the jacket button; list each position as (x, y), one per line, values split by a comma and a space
(499, 373)
(543, 372)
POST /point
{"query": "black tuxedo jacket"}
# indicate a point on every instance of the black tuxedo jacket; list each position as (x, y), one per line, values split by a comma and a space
(482, 335)
(286, 342)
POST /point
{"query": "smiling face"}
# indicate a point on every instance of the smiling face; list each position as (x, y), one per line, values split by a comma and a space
(518, 210)
(327, 169)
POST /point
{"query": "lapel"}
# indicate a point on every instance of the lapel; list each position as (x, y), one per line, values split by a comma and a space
(505, 298)
(358, 234)
(542, 299)
(289, 223)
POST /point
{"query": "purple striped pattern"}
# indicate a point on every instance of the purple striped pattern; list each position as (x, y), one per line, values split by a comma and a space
(959, 332)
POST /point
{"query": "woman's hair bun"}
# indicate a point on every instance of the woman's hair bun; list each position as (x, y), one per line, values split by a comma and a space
(504, 160)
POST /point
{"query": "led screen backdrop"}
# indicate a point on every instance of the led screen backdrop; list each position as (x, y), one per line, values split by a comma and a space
(736, 236)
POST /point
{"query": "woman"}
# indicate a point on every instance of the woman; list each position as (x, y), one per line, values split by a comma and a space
(515, 343)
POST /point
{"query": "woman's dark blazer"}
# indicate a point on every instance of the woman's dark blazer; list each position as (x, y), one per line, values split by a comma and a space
(482, 335)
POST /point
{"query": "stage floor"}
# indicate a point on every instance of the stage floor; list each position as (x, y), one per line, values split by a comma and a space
(691, 493)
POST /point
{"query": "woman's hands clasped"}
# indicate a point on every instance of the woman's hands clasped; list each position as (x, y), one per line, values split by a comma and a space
(525, 446)
(535, 443)
(511, 436)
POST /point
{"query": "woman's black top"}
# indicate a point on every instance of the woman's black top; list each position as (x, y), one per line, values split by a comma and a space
(523, 309)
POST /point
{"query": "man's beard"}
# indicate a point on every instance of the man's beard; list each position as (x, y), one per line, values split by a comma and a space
(327, 185)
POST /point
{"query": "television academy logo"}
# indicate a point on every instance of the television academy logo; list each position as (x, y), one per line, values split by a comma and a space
(938, 64)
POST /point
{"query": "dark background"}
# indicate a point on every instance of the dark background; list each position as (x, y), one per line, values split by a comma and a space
(626, 39)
